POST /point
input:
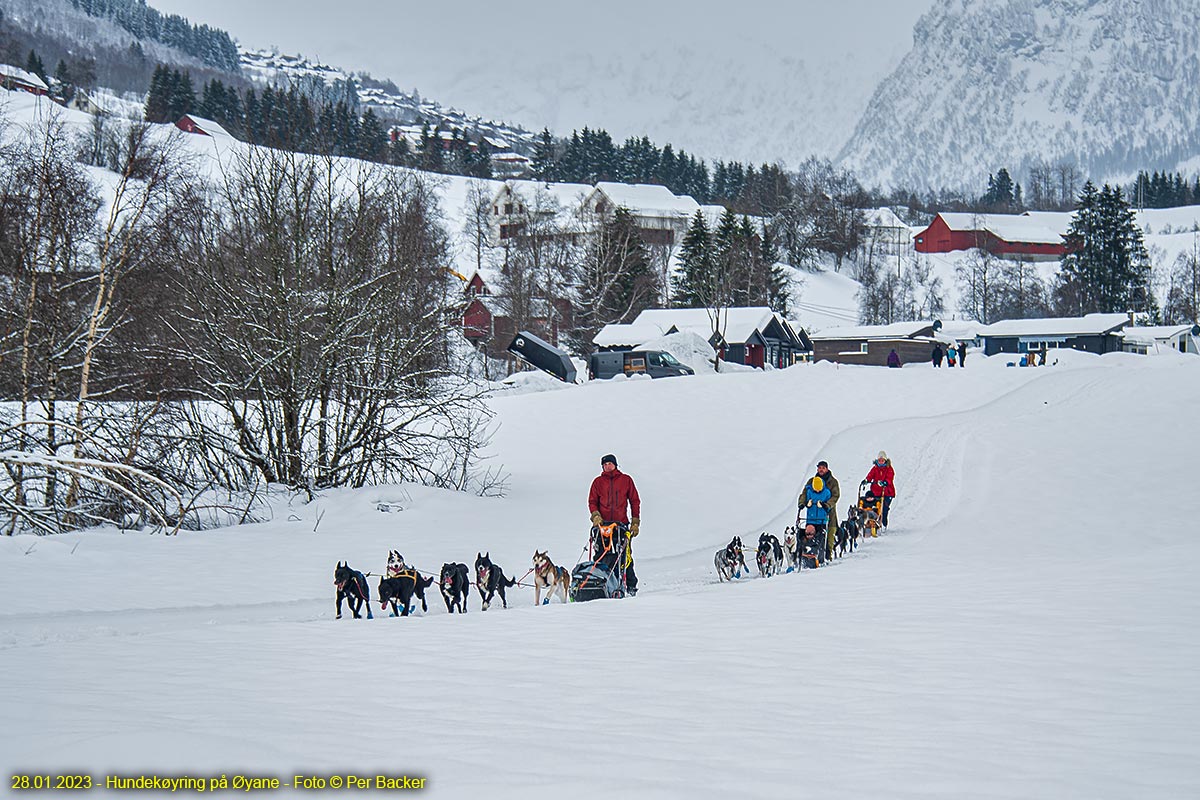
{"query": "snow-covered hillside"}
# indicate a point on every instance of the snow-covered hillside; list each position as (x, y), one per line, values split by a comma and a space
(1112, 86)
(1008, 637)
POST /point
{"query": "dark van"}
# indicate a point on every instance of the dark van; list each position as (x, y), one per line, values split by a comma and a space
(655, 363)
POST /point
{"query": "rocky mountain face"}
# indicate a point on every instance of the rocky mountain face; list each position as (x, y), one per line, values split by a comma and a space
(1108, 85)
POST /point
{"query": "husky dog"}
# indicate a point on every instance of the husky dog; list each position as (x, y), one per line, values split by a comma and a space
(847, 534)
(401, 589)
(490, 580)
(352, 587)
(770, 555)
(546, 575)
(790, 544)
(396, 566)
(455, 586)
(730, 562)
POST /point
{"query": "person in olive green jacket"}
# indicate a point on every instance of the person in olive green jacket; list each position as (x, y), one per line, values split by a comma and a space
(835, 493)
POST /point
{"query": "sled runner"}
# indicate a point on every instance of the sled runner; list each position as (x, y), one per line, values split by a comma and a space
(602, 575)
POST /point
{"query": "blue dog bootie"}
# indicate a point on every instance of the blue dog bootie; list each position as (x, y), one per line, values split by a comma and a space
(546, 602)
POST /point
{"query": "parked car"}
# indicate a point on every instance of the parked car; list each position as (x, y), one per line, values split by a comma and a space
(655, 363)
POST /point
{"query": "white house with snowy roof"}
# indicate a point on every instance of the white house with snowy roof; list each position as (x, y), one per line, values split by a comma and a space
(516, 202)
(1158, 338)
(661, 215)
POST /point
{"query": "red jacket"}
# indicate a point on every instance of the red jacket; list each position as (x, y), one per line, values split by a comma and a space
(609, 494)
(878, 475)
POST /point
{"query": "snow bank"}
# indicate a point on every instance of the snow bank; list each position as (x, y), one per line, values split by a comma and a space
(688, 347)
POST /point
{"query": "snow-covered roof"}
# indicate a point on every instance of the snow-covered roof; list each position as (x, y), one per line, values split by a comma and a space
(1154, 333)
(739, 324)
(208, 126)
(647, 199)
(1009, 227)
(897, 330)
(497, 142)
(1056, 326)
(18, 74)
(568, 196)
(618, 335)
(883, 218)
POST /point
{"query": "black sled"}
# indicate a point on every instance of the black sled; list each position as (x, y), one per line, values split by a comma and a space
(602, 575)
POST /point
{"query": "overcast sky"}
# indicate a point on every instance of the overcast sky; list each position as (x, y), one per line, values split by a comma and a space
(493, 58)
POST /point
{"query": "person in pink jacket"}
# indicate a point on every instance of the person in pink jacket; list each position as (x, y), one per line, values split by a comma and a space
(883, 482)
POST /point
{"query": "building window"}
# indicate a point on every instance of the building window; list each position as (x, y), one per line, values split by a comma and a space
(864, 347)
(508, 208)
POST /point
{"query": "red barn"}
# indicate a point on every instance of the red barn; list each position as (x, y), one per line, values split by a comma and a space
(1014, 235)
(15, 79)
(193, 124)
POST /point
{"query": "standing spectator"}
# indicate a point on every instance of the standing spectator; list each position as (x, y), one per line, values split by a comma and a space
(938, 354)
(962, 355)
(883, 483)
(951, 355)
(894, 359)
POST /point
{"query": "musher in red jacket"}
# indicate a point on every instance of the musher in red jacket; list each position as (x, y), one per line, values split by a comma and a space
(611, 492)
(883, 482)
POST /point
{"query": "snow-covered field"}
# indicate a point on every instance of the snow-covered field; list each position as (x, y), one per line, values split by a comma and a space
(1027, 628)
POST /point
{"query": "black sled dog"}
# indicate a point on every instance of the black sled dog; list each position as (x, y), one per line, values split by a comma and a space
(401, 589)
(352, 587)
(455, 586)
(490, 580)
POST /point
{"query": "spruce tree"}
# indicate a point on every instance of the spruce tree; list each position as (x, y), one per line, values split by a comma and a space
(34, 64)
(1106, 267)
(695, 265)
(543, 162)
(158, 99)
(372, 138)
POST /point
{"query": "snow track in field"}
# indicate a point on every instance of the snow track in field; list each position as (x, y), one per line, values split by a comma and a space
(1006, 638)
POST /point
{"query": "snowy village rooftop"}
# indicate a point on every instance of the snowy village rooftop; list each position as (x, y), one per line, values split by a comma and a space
(897, 330)
(17, 74)
(1056, 326)
(1009, 227)
(568, 196)
(648, 199)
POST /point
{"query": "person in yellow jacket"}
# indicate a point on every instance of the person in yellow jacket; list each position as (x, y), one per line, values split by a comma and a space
(835, 494)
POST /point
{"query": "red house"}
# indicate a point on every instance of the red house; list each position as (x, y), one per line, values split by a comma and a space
(1012, 235)
(190, 123)
(15, 79)
(487, 325)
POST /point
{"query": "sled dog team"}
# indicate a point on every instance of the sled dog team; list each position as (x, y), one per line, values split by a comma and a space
(402, 583)
(816, 538)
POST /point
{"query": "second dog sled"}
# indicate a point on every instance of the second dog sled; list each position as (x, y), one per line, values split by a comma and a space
(602, 575)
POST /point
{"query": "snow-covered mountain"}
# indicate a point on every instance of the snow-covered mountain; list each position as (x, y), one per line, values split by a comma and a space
(1110, 85)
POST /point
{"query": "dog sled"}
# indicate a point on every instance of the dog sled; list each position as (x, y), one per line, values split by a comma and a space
(868, 512)
(602, 575)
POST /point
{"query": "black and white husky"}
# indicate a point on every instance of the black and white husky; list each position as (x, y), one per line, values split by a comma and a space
(730, 562)
(790, 543)
(770, 555)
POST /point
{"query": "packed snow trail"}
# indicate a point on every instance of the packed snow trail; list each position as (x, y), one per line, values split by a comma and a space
(1010, 636)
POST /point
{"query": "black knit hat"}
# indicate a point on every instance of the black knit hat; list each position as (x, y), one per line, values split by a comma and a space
(608, 459)
(824, 464)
